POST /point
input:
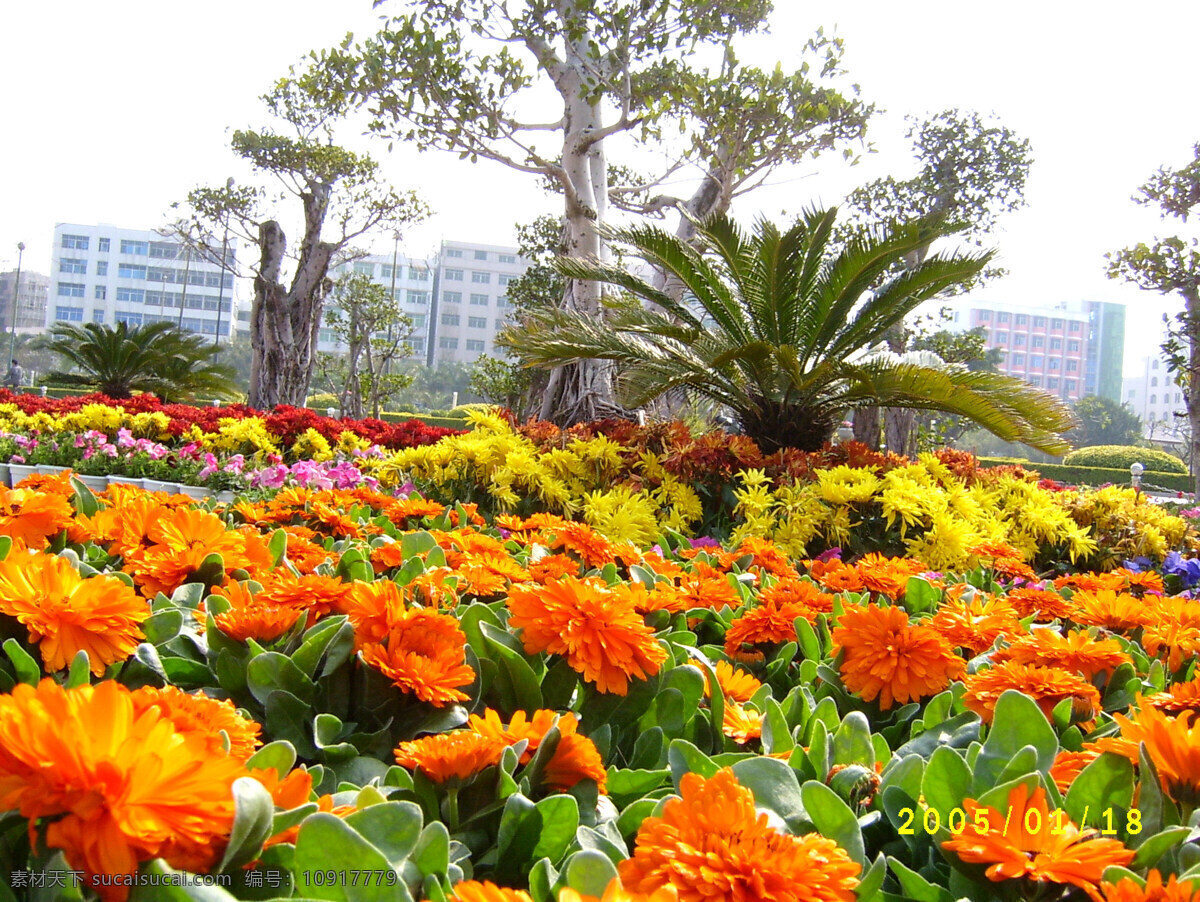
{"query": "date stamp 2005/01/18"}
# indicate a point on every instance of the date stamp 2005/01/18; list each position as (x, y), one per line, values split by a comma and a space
(1055, 823)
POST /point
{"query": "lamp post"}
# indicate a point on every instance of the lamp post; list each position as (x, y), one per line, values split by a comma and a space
(16, 296)
(224, 264)
(1135, 478)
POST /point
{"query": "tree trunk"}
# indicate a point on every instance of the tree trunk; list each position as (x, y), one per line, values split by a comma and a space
(900, 433)
(1191, 315)
(866, 427)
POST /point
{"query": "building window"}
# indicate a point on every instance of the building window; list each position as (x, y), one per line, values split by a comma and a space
(452, 297)
(418, 320)
(450, 319)
(68, 314)
(481, 278)
(420, 274)
(1039, 322)
(1132, 393)
(502, 301)
(1035, 361)
(141, 248)
(1178, 397)
(325, 335)
(1070, 385)
(454, 252)
(101, 292)
(1056, 324)
(1056, 344)
(1072, 366)
(68, 264)
(507, 258)
(1019, 339)
(75, 242)
(133, 295)
(1153, 364)
(501, 323)
(103, 245)
(417, 344)
(367, 269)
(1052, 382)
(1022, 319)
(1154, 381)
(133, 319)
(1154, 399)
(1073, 345)
(1018, 359)
(125, 271)
(1035, 381)
(1076, 326)
(449, 344)
(481, 255)
(418, 297)
(98, 316)
(1054, 363)
(474, 344)
(477, 322)
(505, 279)
(70, 290)
(1001, 338)
(1002, 317)
(1039, 341)
(102, 267)
(385, 270)
(985, 316)
(479, 300)
(454, 275)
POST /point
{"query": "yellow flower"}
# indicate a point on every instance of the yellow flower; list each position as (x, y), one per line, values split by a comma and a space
(847, 485)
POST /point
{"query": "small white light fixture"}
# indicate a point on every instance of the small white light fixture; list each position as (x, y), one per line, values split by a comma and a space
(216, 402)
(1135, 472)
(330, 411)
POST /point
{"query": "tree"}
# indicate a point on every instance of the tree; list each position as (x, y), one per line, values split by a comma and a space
(427, 78)
(1172, 265)
(967, 349)
(1103, 421)
(972, 170)
(365, 319)
(119, 360)
(780, 328)
(340, 197)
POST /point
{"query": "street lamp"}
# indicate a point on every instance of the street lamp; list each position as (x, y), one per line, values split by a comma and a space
(1135, 477)
(12, 339)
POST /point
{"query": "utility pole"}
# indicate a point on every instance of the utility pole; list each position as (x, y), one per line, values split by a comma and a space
(224, 265)
(12, 338)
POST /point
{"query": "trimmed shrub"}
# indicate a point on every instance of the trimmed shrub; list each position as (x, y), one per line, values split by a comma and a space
(1120, 457)
(1095, 476)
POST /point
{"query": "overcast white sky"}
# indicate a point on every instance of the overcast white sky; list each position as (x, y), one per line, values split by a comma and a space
(113, 110)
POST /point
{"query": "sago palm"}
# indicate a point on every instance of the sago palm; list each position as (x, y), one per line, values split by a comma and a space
(787, 331)
(119, 360)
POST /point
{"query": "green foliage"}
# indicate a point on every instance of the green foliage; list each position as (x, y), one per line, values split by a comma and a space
(1120, 457)
(1094, 476)
(1103, 421)
(776, 327)
(119, 360)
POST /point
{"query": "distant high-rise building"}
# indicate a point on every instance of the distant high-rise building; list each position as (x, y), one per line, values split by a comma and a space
(1069, 350)
(31, 304)
(1155, 395)
(106, 274)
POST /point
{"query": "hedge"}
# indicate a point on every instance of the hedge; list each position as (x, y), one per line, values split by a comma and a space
(1120, 457)
(1095, 476)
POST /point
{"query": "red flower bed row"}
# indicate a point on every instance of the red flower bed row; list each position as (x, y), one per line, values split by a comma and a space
(284, 421)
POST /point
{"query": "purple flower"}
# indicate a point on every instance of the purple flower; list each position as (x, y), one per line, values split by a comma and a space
(1188, 570)
(705, 542)
(829, 555)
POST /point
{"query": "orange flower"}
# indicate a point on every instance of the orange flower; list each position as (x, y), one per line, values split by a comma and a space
(425, 656)
(888, 576)
(1128, 890)
(553, 567)
(1107, 608)
(177, 544)
(445, 756)
(401, 511)
(887, 658)
(976, 624)
(204, 717)
(315, 593)
(1175, 642)
(600, 635)
(707, 588)
(1027, 842)
(1068, 765)
(996, 551)
(1178, 698)
(387, 556)
(1045, 685)
(766, 556)
(575, 757)
(67, 614)
(770, 623)
(474, 891)
(741, 724)
(836, 575)
(303, 553)
(614, 892)
(592, 548)
(123, 786)
(489, 573)
(1173, 744)
(250, 618)
(1043, 603)
(372, 608)
(735, 684)
(711, 844)
(1077, 651)
(32, 517)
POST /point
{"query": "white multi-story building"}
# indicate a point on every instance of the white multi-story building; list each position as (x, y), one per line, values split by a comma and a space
(1155, 396)
(106, 274)
(409, 281)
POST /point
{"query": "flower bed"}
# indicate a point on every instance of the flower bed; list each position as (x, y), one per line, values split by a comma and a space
(344, 694)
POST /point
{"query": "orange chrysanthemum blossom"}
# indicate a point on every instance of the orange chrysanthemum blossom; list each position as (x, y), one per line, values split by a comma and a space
(1055, 850)
(996, 551)
(1068, 765)
(302, 552)
(122, 787)
(488, 574)
(405, 509)
(1041, 604)
(66, 614)
(216, 722)
(250, 618)
(575, 757)
(599, 633)
(1173, 744)
(553, 567)
(180, 540)
(32, 517)
(799, 591)
(1175, 642)
(448, 756)
(486, 891)
(888, 576)
(741, 724)
(1045, 685)
(836, 575)
(766, 557)
(425, 656)
(887, 658)
(662, 596)
(1113, 610)
(707, 587)
(1129, 890)
(1077, 651)
(711, 844)
(737, 685)
(976, 624)
(316, 593)
(579, 538)
(615, 892)
(386, 557)
(373, 608)
(770, 623)
(1178, 698)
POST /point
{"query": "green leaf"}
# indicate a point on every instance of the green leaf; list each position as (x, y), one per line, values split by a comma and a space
(947, 781)
(271, 671)
(921, 596)
(776, 790)
(80, 672)
(852, 741)
(27, 669)
(956, 733)
(175, 889)
(522, 684)
(327, 843)
(279, 755)
(833, 818)
(1018, 722)
(277, 546)
(906, 773)
(393, 828)
(1153, 848)
(683, 758)
(776, 737)
(432, 852)
(254, 812)
(810, 647)
(588, 872)
(1105, 782)
(916, 887)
